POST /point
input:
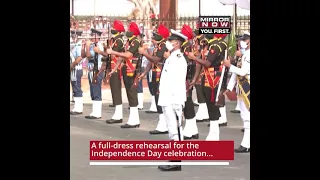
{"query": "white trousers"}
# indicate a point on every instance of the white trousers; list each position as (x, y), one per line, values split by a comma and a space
(237, 107)
(190, 128)
(170, 116)
(245, 116)
(162, 124)
(133, 116)
(78, 104)
(223, 113)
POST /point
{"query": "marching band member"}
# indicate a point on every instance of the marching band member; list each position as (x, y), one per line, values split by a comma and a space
(238, 55)
(202, 113)
(241, 77)
(95, 80)
(210, 81)
(77, 54)
(172, 88)
(190, 130)
(115, 77)
(140, 84)
(153, 106)
(129, 73)
(156, 62)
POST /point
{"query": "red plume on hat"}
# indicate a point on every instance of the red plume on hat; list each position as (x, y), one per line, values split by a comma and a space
(187, 31)
(133, 27)
(118, 25)
(220, 35)
(223, 35)
(163, 31)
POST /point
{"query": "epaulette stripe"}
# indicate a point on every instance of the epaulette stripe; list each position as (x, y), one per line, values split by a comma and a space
(219, 47)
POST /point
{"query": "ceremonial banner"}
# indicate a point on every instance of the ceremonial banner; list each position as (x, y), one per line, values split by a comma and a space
(161, 150)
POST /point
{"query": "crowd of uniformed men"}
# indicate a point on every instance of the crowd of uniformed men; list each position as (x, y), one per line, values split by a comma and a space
(181, 60)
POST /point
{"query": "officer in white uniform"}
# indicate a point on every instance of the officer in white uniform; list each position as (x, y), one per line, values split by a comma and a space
(172, 90)
(243, 71)
(76, 75)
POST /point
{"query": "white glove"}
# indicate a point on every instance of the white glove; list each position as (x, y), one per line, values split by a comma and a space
(177, 107)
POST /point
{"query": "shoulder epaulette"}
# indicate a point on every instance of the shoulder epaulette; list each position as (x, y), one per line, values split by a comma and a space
(223, 42)
(136, 40)
(217, 45)
(161, 43)
(120, 40)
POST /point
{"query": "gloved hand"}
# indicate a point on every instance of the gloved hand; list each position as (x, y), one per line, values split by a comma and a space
(177, 107)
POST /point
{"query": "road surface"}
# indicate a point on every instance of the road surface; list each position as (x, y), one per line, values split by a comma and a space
(83, 130)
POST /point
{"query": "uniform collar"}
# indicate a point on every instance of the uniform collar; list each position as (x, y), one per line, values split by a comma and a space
(132, 38)
(184, 43)
(117, 36)
(175, 52)
(159, 42)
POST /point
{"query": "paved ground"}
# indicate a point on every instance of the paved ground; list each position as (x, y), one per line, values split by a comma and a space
(83, 130)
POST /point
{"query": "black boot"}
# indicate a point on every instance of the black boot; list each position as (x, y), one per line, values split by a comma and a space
(75, 113)
(223, 124)
(196, 136)
(113, 121)
(92, 117)
(155, 132)
(235, 111)
(170, 167)
(242, 149)
(130, 126)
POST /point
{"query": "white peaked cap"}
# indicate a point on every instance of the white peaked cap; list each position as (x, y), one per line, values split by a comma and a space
(246, 33)
(175, 35)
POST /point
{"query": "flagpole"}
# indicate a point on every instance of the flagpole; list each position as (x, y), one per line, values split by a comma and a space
(94, 9)
(72, 6)
(234, 28)
(199, 7)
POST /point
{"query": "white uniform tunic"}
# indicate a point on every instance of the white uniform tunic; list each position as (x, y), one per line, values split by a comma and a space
(245, 113)
(172, 91)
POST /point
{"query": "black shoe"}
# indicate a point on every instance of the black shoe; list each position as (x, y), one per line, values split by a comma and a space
(138, 108)
(169, 168)
(92, 117)
(242, 149)
(72, 101)
(75, 113)
(113, 121)
(111, 105)
(130, 126)
(242, 130)
(223, 124)
(235, 111)
(150, 112)
(203, 120)
(195, 104)
(196, 136)
(155, 132)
